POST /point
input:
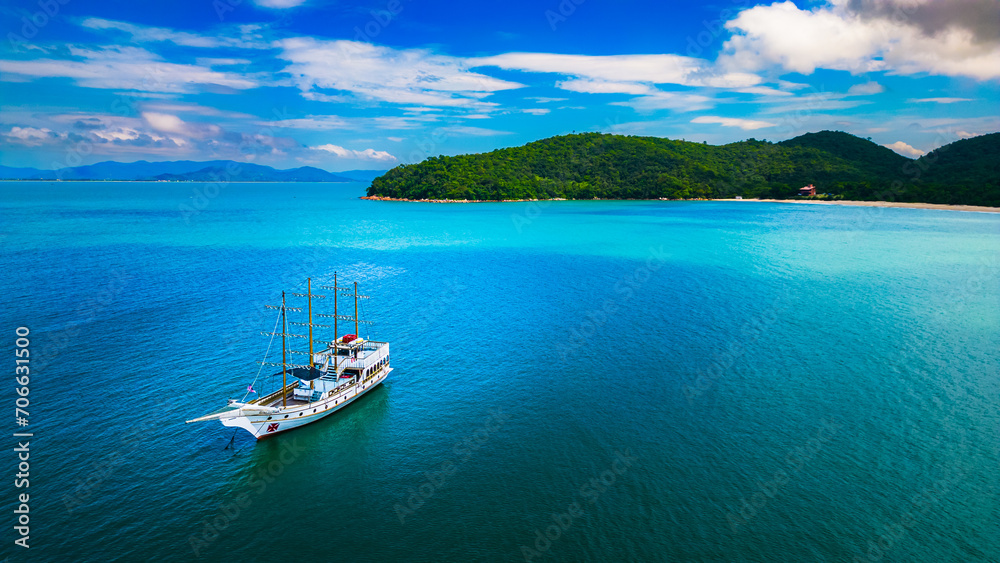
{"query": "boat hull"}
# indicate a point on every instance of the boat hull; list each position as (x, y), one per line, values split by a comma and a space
(289, 418)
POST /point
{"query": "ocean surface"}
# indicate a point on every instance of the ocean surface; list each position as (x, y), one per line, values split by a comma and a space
(574, 381)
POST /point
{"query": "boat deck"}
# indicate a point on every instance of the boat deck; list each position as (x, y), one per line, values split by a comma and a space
(289, 401)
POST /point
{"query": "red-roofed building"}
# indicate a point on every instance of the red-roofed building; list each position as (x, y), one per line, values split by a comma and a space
(808, 190)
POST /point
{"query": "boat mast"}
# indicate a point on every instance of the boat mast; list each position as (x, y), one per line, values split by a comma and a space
(356, 309)
(284, 382)
(336, 334)
(310, 300)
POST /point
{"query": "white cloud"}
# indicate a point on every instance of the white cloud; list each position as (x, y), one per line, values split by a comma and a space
(764, 91)
(668, 100)
(410, 76)
(248, 37)
(118, 134)
(939, 129)
(635, 75)
(152, 133)
(865, 89)
(29, 136)
(194, 109)
(744, 124)
(941, 100)
(165, 123)
(141, 34)
(399, 122)
(534, 111)
(835, 37)
(127, 68)
(178, 130)
(726, 80)
(653, 69)
(367, 154)
(279, 4)
(313, 122)
(786, 85)
(214, 61)
(811, 103)
(905, 149)
(105, 134)
(317, 97)
(799, 40)
(620, 74)
(592, 86)
(465, 130)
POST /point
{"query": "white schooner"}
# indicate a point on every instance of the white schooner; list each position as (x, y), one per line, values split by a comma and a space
(346, 368)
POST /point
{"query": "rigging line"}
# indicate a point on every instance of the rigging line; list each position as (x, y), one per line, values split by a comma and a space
(266, 353)
(362, 314)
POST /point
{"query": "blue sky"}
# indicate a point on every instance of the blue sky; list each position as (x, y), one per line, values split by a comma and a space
(345, 85)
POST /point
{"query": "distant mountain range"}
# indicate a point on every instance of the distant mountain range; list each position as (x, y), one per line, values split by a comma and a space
(595, 165)
(188, 171)
(362, 175)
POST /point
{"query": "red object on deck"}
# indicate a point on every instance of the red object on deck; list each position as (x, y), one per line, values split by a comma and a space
(350, 338)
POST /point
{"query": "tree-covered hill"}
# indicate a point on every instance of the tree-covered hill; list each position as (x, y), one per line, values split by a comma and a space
(966, 170)
(595, 165)
(870, 158)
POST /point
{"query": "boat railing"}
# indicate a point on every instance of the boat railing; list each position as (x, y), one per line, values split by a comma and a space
(336, 391)
(341, 388)
(374, 374)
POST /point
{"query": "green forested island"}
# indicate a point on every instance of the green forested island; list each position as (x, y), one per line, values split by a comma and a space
(595, 165)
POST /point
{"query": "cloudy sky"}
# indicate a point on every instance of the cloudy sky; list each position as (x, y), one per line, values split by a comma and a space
(351, 84)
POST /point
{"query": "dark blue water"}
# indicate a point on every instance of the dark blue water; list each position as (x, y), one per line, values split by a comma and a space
(576, 381)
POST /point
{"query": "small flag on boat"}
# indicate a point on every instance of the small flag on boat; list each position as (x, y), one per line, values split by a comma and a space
(250, 389)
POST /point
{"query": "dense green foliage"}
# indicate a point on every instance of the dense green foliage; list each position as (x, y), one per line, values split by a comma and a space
(966, 171)
(595, 165)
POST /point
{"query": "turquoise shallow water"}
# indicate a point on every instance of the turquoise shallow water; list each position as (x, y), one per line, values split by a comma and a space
(641, 381)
